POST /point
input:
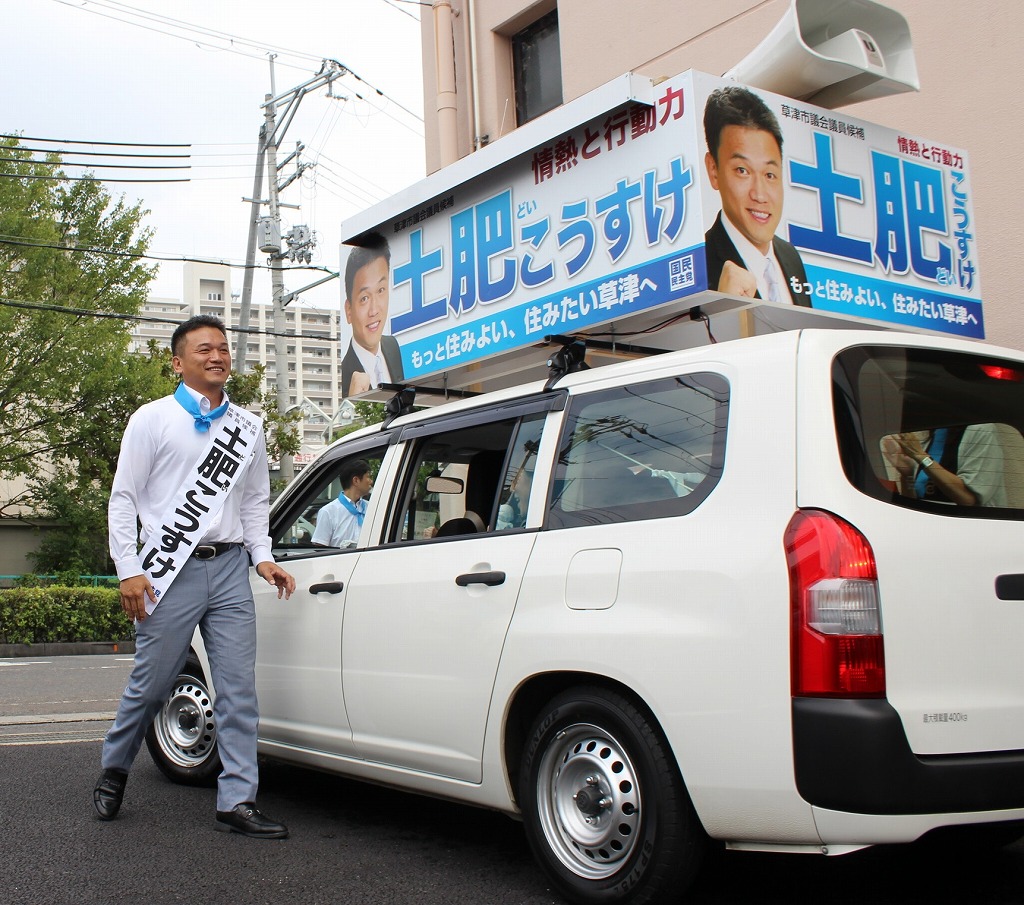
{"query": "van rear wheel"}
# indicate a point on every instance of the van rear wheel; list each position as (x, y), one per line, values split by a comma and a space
(605, 810)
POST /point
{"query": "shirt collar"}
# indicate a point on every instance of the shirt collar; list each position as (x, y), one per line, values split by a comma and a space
(753, 259)
(369, 360)
(202, 401)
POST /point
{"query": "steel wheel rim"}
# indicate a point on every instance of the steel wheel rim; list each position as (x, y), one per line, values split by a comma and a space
(185, 727)
(589, 801)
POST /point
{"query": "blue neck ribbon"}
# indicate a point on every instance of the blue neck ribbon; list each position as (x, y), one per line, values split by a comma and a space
(189, 404)
(357, 509)
(935, 449)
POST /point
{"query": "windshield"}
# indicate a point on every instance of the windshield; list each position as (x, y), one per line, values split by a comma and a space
(932, 429)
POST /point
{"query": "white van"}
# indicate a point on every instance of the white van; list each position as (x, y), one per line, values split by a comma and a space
(767, 592)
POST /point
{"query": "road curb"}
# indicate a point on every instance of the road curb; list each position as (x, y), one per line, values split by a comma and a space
(67, 648)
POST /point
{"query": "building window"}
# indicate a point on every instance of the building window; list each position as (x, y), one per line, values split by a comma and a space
(537, 68)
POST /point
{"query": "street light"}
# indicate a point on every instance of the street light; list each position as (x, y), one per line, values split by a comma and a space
(345, 414)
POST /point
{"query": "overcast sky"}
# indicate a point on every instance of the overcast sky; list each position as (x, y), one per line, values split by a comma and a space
(195, 72)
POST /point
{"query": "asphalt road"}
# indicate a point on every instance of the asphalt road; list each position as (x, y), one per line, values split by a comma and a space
(351, 843)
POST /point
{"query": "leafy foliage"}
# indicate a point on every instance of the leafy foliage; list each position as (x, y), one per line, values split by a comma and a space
(281, 429)
(55, 614)
(366, 413)
(70, 381)
(70, 378)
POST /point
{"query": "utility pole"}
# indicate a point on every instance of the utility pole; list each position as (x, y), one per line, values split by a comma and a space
(271, 134)
(287, 471)
(242, 342)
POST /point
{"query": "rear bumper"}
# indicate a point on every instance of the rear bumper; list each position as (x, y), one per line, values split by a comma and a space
(853, 756)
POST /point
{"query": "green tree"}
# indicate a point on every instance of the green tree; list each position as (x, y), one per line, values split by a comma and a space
(69, 380)
(366, 413)
(71, 280)
(68, 376)
(281, 428)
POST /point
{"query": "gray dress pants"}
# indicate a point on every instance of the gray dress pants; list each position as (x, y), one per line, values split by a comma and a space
(213, 594)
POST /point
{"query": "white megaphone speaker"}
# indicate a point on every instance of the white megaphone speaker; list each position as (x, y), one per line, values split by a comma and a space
(833, 52)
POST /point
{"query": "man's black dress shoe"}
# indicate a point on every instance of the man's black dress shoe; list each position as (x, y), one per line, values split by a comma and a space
(109, 791)
(245, 819)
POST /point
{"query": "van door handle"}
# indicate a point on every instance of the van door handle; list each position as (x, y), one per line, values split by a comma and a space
(1010, 587)
(327, 587)
(488, 578)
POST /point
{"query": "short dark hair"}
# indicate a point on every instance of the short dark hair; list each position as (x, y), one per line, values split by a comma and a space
(195, 323)
(352, 470)
(361, 255)
(735, 105)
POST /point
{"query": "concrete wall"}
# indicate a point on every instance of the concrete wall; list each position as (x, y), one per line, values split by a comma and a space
(17, 540)
(964, 53)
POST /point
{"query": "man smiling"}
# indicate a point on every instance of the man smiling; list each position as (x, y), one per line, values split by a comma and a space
(203, 524)
(744, 164)
(372, 357)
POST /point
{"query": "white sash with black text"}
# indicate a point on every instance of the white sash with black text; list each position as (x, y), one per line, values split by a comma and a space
(199, 499)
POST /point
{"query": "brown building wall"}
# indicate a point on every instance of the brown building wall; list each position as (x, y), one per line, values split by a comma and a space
(965, 54)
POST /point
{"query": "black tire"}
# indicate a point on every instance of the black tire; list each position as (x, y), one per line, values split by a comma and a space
(605, 809)
(183, 738)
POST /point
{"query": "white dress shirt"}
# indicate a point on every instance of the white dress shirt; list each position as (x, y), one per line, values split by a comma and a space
(159, 450)
(336, 525)
(374, 366)
(756, 262)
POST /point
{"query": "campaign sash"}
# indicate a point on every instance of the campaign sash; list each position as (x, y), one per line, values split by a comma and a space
(200, 498)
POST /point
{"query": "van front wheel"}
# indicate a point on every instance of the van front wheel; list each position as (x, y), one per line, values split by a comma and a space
(605, 810)
(183, 738)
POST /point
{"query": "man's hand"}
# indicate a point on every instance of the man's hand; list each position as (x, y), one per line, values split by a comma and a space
(134, 592)
(736, 280)
(273, 574)
(359, 383)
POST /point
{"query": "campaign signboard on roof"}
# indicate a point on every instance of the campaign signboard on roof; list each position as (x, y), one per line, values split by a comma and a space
(599, 221)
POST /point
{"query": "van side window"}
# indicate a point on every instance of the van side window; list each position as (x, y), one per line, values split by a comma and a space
(468, 481)
(296, 532)
(644, 451)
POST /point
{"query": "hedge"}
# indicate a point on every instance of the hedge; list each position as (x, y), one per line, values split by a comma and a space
(57, 614)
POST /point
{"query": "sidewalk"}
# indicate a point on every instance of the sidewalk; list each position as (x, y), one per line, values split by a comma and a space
(66, 648)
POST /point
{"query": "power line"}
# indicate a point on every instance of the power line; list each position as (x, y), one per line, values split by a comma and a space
(21, 242)
(233, 42)
(150, 319)
(91, 164)
(78, 141)
(63, 152)
(87, 178)
(406, 12)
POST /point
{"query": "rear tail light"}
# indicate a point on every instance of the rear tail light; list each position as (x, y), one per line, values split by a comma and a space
(837, 647)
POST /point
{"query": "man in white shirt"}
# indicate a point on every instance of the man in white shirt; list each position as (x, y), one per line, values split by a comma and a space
(167, 444)
(744, 164)
(372, 358)
(338, 523)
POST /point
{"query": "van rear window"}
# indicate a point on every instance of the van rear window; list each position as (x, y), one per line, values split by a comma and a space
(932, 429)
(643, 451)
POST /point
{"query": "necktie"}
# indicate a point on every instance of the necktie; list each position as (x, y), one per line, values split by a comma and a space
(189, 404)
(378, 371)
(772, 283)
